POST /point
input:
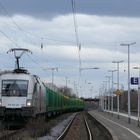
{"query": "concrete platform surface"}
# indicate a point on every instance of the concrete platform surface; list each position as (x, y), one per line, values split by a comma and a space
(120, 128)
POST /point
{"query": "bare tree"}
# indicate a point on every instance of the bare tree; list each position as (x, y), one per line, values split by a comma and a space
(66, 91)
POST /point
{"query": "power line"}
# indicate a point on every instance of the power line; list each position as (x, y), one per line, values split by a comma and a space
(9, 38)
(33, 60)
(4, 9)
(18, 27)
(27, 32)
(47, 38)
(74, 20)
(76, 33)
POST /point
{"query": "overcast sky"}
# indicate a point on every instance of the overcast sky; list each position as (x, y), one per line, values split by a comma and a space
(102, 26)
(51, 8)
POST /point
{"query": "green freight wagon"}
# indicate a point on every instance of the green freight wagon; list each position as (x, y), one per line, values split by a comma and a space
(56, 103)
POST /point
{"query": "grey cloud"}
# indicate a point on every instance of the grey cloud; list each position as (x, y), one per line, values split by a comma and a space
(50, 8)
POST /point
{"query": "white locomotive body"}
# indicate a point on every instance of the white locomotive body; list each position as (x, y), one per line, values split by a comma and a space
(21, 94)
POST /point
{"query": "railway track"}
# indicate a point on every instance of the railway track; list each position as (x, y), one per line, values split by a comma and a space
(82, 127)
(77, 129)
(32, 130)
(8, 134)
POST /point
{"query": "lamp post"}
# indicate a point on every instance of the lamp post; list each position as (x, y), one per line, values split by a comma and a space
(100, 99)
(128, 45)
(112, 94)
(101, 91)
(118, 104)
(138, 68)
(103, 101)
(105, 87)
(108, 92)
(75, 88)
(91, 91)
(52, 69)
(95, 68)
(66, 78)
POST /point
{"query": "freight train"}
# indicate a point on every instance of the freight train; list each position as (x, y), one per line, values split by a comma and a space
(23, 95)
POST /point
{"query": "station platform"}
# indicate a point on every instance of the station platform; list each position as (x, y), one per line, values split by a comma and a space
(119, 128)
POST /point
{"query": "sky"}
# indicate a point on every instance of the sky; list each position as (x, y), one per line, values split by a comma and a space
(101, 27)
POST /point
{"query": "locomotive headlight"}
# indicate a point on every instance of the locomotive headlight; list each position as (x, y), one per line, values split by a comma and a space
(29, 102)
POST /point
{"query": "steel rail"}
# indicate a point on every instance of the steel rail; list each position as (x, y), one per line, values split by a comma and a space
(88, 129)
(63, 134)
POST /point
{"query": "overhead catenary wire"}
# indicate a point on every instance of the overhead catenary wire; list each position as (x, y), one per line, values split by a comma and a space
(39, 37)
(74, 20)
(18, 27)
(76, 33)
(50, 39)
(7, 13)
(13, 21)
(27, 33)
(11, 40)
(18, 47)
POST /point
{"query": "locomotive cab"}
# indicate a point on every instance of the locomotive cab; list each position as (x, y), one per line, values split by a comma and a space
(16, 94)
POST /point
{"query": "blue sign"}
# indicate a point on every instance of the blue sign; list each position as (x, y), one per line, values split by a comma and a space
(134, 80)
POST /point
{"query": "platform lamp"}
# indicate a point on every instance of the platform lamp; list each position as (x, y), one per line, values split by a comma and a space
(112, 87)
(118, 80)
(128, 45)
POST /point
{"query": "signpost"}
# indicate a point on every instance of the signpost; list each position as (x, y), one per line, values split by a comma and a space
(134, 80)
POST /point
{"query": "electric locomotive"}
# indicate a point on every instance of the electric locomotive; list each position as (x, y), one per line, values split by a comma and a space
(21, 94)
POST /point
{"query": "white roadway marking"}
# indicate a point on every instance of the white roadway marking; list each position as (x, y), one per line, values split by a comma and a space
(134, 133)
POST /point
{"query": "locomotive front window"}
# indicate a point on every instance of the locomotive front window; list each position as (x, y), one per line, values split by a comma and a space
(14, 88)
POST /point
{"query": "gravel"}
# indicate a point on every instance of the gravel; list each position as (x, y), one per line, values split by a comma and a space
(57, 130)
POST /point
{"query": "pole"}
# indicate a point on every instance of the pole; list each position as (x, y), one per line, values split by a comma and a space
(139, 99)
(118, 103)
(52, 76)
(112, 94)
(112, 87)
(129, 113)
(66, 81)
(105, 100)
(102, 96)
(108, 93)
(138, 68)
